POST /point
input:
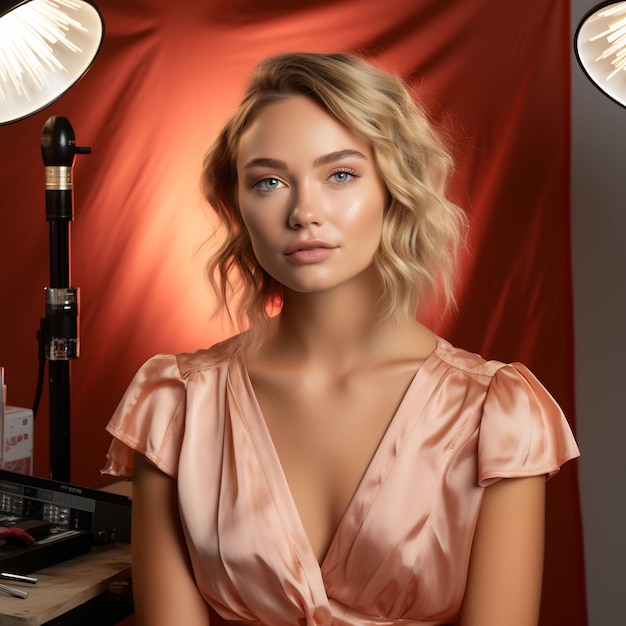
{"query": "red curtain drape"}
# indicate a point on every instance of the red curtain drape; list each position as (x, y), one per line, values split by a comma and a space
(494, 76)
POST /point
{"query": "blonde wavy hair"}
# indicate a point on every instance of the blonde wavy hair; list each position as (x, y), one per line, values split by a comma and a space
(422, 229)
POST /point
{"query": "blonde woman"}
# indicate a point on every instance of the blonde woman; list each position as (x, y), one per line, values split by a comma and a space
(336, 463)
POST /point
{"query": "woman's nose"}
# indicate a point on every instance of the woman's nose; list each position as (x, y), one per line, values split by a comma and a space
(307, 209)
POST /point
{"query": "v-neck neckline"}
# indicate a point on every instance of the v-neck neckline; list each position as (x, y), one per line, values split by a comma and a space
(262, 439)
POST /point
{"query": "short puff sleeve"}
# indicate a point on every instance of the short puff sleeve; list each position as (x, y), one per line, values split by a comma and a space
(149, 419)
(523, 431)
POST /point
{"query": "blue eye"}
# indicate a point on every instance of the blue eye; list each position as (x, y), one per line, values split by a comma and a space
(267, 184)
(342, 177)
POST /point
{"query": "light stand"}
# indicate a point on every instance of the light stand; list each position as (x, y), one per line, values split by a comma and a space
(59, 329)
(45, 47)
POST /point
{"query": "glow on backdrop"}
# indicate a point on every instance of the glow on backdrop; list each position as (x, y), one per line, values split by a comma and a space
(164, 82)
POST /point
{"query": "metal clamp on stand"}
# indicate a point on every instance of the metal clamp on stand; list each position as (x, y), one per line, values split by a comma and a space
(61, 324)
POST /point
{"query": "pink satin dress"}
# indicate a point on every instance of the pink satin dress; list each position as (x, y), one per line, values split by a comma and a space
(401, 552)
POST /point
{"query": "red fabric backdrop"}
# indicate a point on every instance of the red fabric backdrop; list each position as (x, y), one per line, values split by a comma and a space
(494, 76)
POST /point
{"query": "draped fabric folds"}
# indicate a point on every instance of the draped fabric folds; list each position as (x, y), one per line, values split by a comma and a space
(493, 75)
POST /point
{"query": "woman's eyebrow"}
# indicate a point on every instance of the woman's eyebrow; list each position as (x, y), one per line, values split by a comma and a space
(325, 159)
(338, 155)
(276, 164)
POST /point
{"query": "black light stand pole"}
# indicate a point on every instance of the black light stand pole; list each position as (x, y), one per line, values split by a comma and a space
(60, 326)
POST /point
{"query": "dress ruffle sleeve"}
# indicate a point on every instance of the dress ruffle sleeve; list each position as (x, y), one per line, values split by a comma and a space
(149, 419)
(523, 431)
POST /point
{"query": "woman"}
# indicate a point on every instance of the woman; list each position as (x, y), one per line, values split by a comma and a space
(337, 463)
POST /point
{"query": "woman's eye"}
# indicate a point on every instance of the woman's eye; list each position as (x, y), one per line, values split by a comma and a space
(267, 184)
(342, 177)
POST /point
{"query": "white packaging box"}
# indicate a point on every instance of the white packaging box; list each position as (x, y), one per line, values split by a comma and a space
(17, 450)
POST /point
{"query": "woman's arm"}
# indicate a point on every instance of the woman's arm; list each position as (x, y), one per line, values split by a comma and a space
(506, 565)
(164, 588)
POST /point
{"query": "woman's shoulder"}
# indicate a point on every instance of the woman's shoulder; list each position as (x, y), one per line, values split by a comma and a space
(467, 363)
(494, 374)
(523, 431)
(218, 356)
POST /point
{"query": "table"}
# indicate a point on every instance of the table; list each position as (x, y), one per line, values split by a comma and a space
(75, 591)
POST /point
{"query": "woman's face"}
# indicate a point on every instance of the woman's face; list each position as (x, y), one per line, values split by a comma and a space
(310, 196)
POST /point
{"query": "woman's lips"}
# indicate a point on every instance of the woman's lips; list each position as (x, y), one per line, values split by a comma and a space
(306, 252)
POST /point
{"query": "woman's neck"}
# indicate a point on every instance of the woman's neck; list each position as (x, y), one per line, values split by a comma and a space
(339, 329)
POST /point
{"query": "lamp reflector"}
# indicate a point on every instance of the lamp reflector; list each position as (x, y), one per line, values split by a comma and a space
(600, 45)
(45, 47)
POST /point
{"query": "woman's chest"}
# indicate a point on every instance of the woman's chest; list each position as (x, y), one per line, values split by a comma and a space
(399, 549)
(325, 437)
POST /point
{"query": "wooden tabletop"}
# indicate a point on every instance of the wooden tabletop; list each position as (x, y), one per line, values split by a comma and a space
(65, 586)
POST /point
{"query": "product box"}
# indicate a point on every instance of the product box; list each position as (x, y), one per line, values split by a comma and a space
(17, 449)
